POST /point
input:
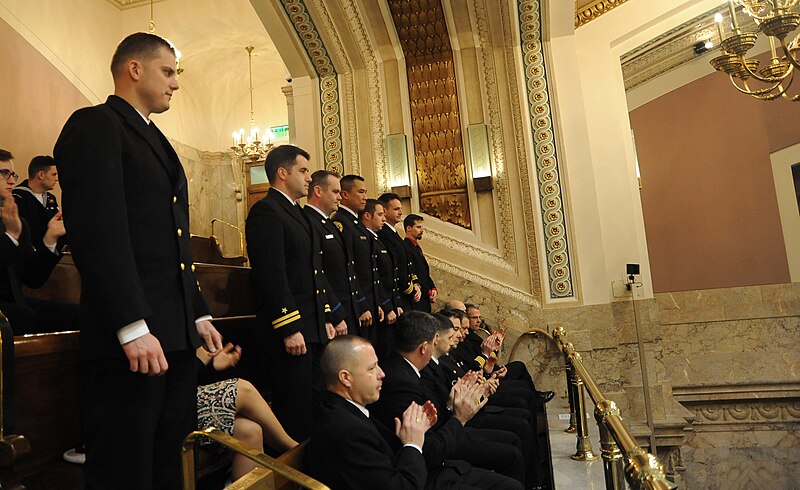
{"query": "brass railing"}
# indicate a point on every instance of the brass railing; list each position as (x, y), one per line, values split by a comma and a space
(277, 467)
(622, 457)
(230, 225)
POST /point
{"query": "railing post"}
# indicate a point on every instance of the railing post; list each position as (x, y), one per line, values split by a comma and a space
(570, 395)
(613, 464)
(584, 445)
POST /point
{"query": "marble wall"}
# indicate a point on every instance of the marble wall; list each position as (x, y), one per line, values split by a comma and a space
(214, 179)
(723, 367)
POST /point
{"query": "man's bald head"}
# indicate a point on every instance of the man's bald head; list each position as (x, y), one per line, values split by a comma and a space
(350, 369)
(339, 354)
(455, 304)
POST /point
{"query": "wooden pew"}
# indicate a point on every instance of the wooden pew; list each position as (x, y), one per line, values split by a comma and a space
(45, 375)
(208, 251)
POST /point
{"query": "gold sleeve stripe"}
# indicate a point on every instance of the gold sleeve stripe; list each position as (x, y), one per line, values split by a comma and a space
(493, 355)
(286, 322)
(410, 288)
(480, 360)
(327, 308)
(286, 317)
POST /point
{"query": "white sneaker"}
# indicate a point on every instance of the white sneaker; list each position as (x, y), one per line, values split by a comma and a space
(73, 456)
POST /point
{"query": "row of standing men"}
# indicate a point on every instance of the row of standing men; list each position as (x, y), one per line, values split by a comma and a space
(334, 266)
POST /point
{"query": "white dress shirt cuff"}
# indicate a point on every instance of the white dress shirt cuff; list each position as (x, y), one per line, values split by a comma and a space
(414, 446)
(52, 249)
(13, 240)
(132, 331)
(203, 318)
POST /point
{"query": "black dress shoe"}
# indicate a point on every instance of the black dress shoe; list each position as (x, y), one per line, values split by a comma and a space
(544, 396)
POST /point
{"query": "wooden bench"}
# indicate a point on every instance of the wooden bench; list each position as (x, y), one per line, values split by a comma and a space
(41, 372)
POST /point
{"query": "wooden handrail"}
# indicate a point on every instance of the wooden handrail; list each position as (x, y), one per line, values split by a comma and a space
(286, 471)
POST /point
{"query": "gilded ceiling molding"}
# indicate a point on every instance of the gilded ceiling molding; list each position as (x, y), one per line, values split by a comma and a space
(595, 10)
(353, 164)
(328, 83)
(494, 128)
(559, 272)
(375, 93)
(520, 297)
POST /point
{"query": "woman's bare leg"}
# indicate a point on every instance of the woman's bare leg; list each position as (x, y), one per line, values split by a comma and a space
(249, 433)
(250, 404)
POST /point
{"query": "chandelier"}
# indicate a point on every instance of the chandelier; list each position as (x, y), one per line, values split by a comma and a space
(250, 147)
(152, 30)
(776, 19)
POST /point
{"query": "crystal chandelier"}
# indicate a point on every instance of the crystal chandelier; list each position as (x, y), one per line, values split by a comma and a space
(777, 19)
(250, 147)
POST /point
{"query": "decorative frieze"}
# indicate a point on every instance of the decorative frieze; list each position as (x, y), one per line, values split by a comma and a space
(328, 83)
(551, 198)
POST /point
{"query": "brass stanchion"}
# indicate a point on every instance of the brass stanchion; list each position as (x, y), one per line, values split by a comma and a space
(613, 464)
(571, 396)
(584, 445)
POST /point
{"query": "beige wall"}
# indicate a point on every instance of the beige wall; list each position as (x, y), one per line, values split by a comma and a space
(708, 195)
(79, 37)
(37, 100)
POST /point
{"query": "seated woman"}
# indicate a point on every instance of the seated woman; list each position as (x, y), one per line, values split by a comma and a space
(236, 407)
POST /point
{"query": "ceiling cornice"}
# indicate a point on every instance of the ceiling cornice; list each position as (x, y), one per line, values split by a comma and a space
(129, 4)
(594, 10)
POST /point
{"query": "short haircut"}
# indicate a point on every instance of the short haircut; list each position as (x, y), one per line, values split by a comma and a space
(470, 306)
(387, 197)
(411, 220)
(142, 45)
(452, 313)
(284, 156)
(370, 207)
(414, 328)
(444, 322)
(320, 179)
(337, 356)
(349, 181)
(40, 163)
(5, 155)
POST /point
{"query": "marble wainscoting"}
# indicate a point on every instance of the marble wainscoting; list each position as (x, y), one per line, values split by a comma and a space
(733, 359)
(214, 178)
(606, 337)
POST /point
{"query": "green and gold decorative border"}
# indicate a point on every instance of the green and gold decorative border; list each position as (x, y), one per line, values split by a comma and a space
(551, 197)
(328, 83)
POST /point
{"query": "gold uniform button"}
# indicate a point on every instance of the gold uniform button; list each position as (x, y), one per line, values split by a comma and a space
(174, 199)
(183, 266)
(180, 232)
(193, 267)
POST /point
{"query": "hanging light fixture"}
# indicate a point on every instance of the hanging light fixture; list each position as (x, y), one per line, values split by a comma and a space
(776, 19)
(250, 147)
(152, 30)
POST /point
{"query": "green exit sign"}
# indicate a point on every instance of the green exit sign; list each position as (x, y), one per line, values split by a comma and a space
(280, 132)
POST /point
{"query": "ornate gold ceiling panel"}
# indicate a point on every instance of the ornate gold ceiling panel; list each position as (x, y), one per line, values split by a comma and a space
(438, 146)
(593, 10)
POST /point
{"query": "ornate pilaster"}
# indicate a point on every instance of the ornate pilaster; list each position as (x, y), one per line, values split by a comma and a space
(551, 199)
(328, 82)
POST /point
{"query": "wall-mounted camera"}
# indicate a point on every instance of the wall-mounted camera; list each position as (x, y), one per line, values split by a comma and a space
(632, 270)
